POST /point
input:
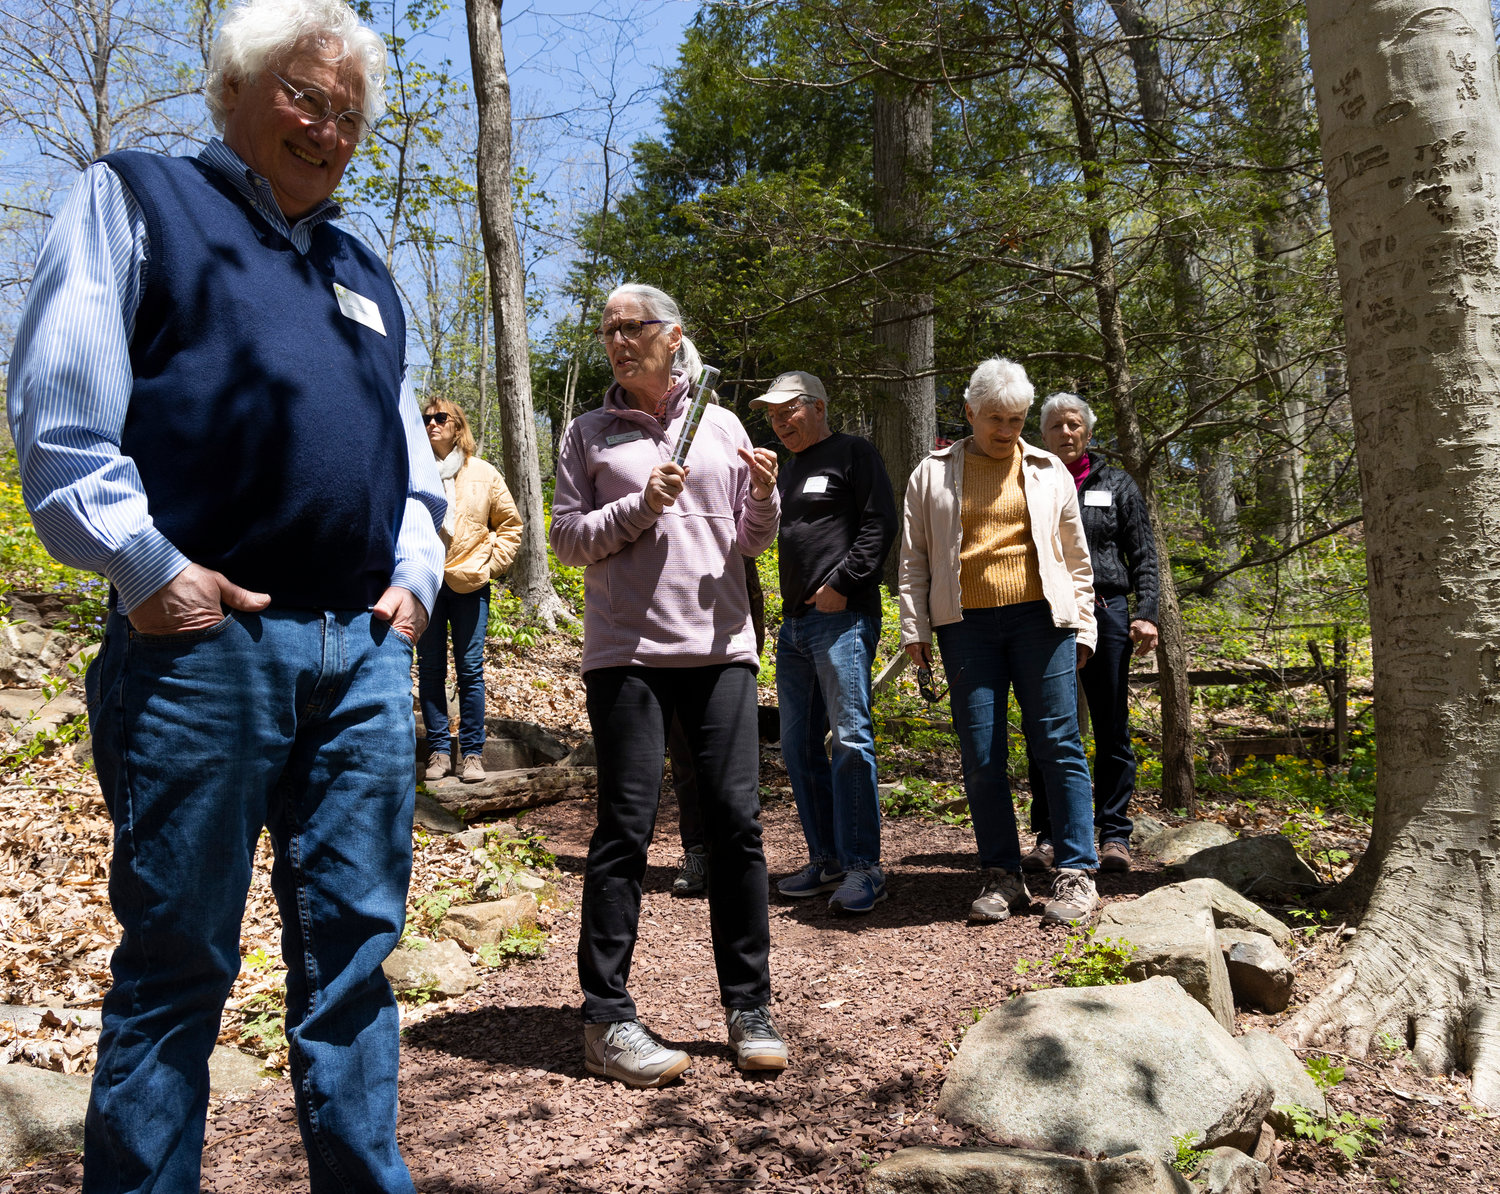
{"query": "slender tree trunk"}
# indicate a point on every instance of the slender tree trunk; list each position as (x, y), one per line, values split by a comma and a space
(484, 357)
(1177, 781)
(530, 579)
(905, 414)
(1411, 134)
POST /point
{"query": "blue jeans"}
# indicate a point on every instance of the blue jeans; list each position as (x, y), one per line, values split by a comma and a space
(823, 680)
(469, 615)
(984, 655)
(1106, 687)
(299, 722)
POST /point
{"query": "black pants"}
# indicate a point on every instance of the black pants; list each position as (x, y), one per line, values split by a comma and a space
(630, 709)
(1106, 687)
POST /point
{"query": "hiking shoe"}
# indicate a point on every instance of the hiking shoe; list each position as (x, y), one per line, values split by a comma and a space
(1041, 858)
(692, 873)
(757, 1044)
(625, 1051)
(1073, 898)
(813, 879)
(1114, 856)
(861, 890)
(473, 771)
(438, 766)
(1004, 892)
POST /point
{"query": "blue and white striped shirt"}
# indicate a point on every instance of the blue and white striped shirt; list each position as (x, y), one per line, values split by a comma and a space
(70, 384)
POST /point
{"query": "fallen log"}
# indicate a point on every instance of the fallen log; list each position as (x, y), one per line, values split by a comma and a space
(505, 791)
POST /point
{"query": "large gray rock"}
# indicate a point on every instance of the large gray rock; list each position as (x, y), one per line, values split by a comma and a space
(24, 1020)
(1106, 1070)
(62, 708)
(29, 654)
(1289, 1079)
(41, 1112)
(20, 704)
(232, 1073)
(1019, 1171)
(1144, 830)
(582, 755)
(1230, 909)
(542, 745)
(1173, 845)
(1259, 973)
(473, 925)
(1266, 866)
(1185, 948)
(1229, 1171)
(432, 816)
(438, 968)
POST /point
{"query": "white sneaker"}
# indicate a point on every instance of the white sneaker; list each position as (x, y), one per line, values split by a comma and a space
(757, 1044)
(624, 1050)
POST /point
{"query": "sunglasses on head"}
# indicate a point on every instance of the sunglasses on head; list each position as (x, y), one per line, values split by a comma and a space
(439, 417)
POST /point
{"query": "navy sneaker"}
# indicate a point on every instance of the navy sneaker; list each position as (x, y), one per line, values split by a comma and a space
(813, 879)
(861, 890)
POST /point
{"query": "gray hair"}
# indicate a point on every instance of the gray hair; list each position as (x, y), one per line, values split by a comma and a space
(999, 382)
(1065, 401)
(659, 304)
(255, 33)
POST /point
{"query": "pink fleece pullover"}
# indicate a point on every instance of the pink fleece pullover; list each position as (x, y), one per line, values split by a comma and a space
(660, 590)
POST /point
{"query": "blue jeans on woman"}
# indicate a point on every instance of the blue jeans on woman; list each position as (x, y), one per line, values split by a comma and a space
(823, 665)
(468, 614)
(986, 654)
(300, 723)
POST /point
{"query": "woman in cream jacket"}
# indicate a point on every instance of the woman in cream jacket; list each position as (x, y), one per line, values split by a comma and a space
(482, 532)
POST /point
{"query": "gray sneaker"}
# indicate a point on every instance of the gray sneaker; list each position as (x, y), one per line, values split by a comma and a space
(757, 1044)
(1004, 892)
(438, 766)
(1073, 898)
(692, 873)
(624, 1050)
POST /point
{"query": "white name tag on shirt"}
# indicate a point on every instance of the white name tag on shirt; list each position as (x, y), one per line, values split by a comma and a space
(625, 437)
(358, 308)
(1098, 497)
(815, 485)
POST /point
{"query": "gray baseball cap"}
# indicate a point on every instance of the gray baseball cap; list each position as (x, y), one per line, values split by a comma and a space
(795, 384)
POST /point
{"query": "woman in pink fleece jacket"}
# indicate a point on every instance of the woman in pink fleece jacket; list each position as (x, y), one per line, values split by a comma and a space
(667, 631)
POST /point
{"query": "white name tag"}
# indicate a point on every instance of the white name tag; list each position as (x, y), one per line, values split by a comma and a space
(358, 308)
(815, 485)
(624, 437)
(1098, 497)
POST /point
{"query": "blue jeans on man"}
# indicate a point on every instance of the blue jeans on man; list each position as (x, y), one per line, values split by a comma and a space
(300, 723)
(468, 614)
(987, 653)
(823, 663)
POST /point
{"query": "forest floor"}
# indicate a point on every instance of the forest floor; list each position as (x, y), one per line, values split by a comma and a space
(494, 1096)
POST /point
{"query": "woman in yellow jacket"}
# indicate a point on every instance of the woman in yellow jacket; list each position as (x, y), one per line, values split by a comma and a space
(482, 531)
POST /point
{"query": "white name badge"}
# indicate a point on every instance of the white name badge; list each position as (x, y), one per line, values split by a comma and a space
(358, 308)
(1098, 497)
(815, 485)
(626, 437)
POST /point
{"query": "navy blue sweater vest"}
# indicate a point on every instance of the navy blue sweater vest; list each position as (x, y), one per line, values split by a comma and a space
(265, 423)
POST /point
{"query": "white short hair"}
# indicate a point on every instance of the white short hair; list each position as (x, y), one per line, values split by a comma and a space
(659, 304)
(1065, 401)
(255, 33)
(1002, 383)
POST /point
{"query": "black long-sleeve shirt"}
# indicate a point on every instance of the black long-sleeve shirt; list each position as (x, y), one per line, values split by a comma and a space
(1118, 530)
(838, 521)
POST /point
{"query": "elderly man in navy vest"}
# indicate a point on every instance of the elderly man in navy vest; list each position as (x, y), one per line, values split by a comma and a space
(209, 402)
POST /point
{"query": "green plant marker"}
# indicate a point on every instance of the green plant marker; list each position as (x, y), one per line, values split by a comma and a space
(706, 381)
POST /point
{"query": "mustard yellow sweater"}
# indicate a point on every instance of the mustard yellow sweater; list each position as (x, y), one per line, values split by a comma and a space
(997, 563)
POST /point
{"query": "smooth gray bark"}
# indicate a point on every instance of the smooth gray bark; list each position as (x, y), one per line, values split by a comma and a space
(1407, 96)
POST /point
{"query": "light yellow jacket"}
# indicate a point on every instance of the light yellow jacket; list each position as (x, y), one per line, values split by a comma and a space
(932, 537)
(486, 527)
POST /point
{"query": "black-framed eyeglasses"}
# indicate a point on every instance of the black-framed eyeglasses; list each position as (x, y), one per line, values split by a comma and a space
(314, 106)
(629, 328)
(438, 416)
(924, 686)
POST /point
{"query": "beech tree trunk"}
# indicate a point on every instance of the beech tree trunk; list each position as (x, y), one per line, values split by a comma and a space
(530, 579)
(1178, 784)
(1410, 117)
(905, 414)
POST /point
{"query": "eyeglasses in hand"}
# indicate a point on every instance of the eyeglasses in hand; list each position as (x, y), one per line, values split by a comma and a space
(924, 686)
(314, 106)
(631, 329)
(439, 417)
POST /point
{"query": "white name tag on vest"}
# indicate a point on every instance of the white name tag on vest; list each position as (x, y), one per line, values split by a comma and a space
(359, 308)
(1098, 497)
(815, 485)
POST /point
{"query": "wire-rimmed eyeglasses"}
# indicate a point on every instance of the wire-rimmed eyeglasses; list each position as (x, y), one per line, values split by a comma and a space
(314, 106)
(629, 328)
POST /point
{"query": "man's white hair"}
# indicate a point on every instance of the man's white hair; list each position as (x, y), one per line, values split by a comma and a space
(1062, 400)
(1002, 384)
(257, 34)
